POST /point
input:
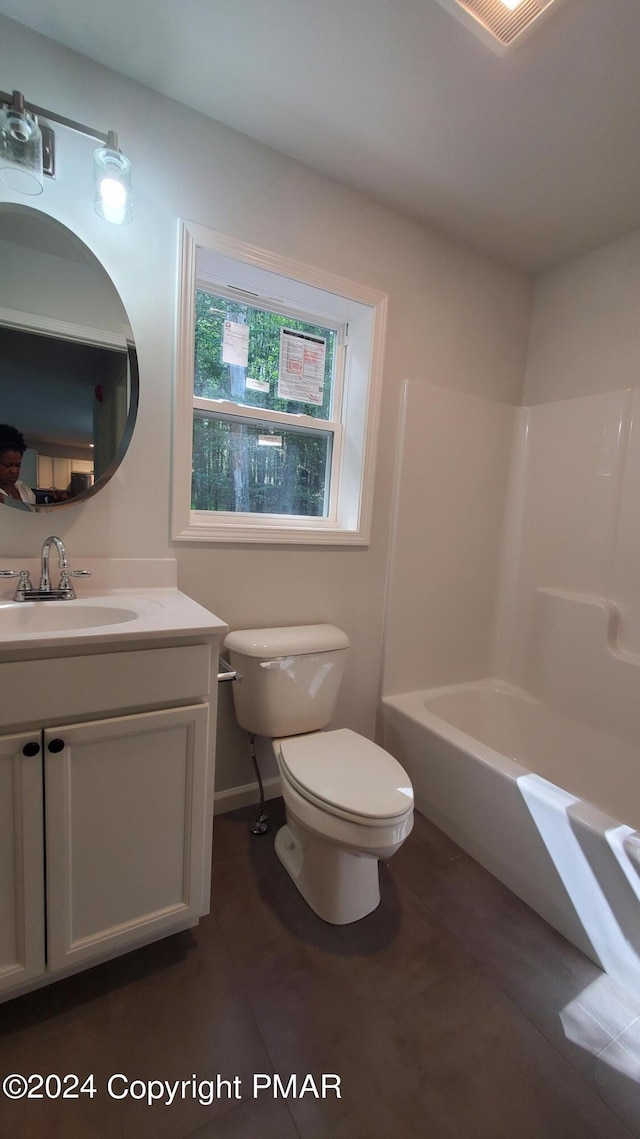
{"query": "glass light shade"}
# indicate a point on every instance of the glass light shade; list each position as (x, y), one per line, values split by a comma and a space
(20, 151)
(112, 178)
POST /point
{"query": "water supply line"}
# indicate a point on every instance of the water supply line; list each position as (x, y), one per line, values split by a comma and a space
(262, 824)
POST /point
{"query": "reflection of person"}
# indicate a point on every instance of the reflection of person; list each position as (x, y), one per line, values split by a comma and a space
(13, 492)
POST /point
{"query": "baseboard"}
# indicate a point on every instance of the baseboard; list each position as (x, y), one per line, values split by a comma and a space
(234, 797)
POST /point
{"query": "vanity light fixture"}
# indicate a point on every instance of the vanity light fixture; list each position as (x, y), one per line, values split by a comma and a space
(20, 148)
(27, 152)
(500, 23)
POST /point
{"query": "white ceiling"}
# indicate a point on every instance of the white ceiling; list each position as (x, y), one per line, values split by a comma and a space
(533, 156)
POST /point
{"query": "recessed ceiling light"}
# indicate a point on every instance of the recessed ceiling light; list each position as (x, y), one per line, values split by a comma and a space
(500, 22)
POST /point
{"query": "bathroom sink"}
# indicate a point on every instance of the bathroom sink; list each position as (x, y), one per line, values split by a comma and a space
(27, 617)
(101, 619)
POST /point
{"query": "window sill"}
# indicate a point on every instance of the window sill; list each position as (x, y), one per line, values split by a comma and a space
(270, 533)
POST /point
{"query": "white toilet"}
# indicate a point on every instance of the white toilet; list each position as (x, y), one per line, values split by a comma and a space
(348, 802)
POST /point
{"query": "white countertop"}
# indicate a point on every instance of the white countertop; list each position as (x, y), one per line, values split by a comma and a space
(124, 600)
(148, 615)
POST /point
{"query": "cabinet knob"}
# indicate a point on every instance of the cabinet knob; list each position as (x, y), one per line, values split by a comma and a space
(56, 745)
(31, 749)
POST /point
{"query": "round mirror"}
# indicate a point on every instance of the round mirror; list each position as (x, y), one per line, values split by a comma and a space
(68, 365)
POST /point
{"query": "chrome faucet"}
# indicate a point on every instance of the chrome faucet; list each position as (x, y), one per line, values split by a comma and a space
(44, 592)
(65, 590)
(63, 562)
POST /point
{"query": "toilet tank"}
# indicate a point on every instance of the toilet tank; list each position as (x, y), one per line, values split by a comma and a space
(290, 677)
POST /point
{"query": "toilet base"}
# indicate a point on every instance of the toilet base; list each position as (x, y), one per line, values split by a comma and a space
(339, 885)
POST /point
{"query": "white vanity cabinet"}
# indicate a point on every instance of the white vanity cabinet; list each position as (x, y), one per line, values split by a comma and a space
(124, 829)
(106, 795)
(22, 933)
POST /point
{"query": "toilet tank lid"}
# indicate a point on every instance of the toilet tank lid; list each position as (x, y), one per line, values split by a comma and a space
(293, 640)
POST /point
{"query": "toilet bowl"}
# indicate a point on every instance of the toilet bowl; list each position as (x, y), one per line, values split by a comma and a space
(348, 802)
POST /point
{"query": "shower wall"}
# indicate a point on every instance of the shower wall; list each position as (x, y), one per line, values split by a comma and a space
(494, 503)
(451, 482)
(574, 523)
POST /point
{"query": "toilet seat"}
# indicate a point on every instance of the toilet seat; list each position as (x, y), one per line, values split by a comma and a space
(346, 775)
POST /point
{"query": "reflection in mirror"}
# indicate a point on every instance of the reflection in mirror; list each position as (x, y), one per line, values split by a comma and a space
(68, 366)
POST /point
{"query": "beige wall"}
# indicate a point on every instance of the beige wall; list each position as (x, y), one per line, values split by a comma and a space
(455, 320)
(585, 330)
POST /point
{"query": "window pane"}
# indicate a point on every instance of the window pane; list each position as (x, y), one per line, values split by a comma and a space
(256, 385)
(252, 468)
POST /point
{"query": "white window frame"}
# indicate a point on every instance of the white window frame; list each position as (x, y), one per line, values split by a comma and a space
(356, 405)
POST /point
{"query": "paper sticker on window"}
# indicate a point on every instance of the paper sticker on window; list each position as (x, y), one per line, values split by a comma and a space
(301, 369)
(269, 440)
(235, 344)
(256, 385)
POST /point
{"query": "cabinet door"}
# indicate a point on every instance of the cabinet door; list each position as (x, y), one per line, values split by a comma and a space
(45, 471)
(126, 829)
(61, 473)
(21, 860)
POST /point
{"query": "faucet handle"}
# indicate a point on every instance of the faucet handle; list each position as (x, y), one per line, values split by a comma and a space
(67, 573)
(24, 583)
(25, 580)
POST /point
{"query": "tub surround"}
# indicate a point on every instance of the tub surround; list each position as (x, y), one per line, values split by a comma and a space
(577, 665)
(494, 504)
(452, 473)
(536, 775)
(541, 785)
(547, 804)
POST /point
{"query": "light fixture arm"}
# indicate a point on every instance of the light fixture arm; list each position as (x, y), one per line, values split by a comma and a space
(18, 101)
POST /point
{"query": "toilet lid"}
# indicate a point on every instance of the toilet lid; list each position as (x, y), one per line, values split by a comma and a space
(345, 771)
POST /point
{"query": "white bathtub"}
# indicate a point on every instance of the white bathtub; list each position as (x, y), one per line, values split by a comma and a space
(548, 805)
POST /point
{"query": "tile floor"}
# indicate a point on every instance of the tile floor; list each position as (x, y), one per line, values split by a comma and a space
(453, 1012)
